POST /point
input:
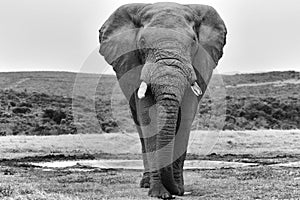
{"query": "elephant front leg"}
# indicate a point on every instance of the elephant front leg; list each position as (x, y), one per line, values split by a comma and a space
(157, 189)
(158, 186)
(145, 181)
(181, 143)
(178, 173)
(186, 115)
(145, 119)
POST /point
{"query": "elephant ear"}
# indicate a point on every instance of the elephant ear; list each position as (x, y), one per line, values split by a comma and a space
(118, 38)
(211, 33)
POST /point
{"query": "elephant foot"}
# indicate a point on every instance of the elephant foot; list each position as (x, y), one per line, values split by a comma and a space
(145, 182)
(180, 185)
(181, 190)
(158, 190)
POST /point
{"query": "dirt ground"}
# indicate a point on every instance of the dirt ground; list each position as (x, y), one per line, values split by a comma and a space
(22, 181)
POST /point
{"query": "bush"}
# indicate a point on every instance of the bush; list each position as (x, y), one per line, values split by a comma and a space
(6, 191)
(278, 114)
(12, 104)
(55, 115)
(2, 133)
(25, 104)
(109, 126)
(21, 110)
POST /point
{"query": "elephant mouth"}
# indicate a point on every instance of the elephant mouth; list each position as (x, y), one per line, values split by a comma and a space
(166, 73)
(143, 89)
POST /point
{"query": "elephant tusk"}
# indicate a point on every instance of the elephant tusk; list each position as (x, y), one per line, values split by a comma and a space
(196, 89)
(142, 90)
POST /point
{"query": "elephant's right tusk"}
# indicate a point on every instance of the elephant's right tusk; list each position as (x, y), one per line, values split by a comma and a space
(196, 89)
(142, 90)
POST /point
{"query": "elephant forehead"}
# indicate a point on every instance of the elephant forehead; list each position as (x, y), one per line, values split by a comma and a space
(164, 38)
(171, 16)
(165, 32)
(168, 20)
(165, 7)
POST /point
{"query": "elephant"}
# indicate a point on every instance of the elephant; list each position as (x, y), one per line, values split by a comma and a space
(163, 55)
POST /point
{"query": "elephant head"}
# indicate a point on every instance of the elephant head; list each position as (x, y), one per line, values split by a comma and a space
(171, 48)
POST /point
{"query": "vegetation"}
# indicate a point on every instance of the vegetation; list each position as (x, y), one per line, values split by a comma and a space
(21, 181)
(47, 103)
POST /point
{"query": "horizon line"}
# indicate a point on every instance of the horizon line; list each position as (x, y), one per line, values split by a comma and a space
(75, 72)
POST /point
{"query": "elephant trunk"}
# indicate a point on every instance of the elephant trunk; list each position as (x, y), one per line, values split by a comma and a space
(167, 121)
(168, 98)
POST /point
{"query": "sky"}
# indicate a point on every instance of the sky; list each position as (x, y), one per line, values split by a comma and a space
(62, 35)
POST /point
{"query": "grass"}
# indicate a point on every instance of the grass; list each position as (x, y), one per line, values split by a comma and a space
(94, 103)
(21, 182)
(52, 90)
(259, 143)
(245, 183)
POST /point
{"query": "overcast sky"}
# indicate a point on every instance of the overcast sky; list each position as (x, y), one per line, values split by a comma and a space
(48, 35)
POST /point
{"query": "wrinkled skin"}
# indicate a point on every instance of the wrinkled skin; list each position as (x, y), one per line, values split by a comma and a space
(163, 55)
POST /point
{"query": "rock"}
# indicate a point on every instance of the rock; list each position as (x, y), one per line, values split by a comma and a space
(5, 114)
(21, 110)
(12, 104)
(25, 104)
(2, 133)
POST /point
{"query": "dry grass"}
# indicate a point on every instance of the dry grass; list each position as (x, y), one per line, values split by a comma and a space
(26, 191)
(226, 142)
(262, 182)
(236, 184)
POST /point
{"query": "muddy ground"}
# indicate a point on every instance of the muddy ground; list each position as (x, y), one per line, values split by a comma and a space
(265, 181)
(22, 181)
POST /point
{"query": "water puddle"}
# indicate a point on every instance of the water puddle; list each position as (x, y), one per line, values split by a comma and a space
(138, 164)
(274, 83)
(290, 164)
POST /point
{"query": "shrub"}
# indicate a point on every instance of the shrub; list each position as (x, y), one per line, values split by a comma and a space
(109, 126)
(21, 110)
(6, 191)
(55, 115)
(278, 114)
(25, 104)
(12, 104)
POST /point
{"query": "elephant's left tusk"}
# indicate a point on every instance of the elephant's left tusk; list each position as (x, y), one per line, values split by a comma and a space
(142, 90)
(196, 89)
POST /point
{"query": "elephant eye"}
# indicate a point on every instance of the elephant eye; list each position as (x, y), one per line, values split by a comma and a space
(142, 42)
(136, 21)
(194, 37)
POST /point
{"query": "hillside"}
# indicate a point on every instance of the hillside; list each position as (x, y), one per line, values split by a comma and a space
(40, 103)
